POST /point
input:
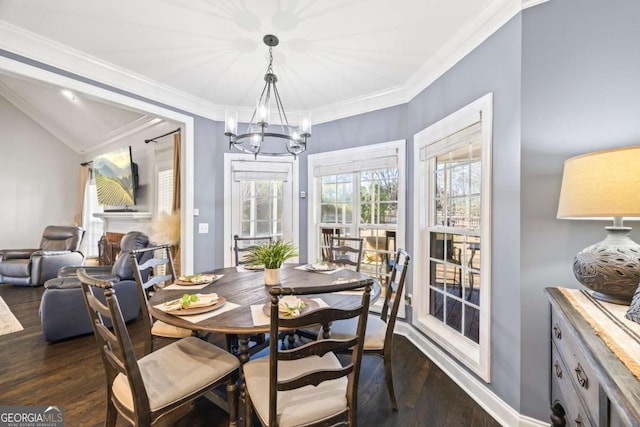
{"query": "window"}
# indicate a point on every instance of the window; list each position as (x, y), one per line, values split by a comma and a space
(358, 198)
(452, 225)
(165, 191)
(94, 226)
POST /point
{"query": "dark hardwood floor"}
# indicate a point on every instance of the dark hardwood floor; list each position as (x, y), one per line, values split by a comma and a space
(69, 373)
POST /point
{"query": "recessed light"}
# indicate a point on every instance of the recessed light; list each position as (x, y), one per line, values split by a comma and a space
(69, 95)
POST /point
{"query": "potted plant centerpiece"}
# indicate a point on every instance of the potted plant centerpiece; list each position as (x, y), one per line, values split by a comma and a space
(271, 255)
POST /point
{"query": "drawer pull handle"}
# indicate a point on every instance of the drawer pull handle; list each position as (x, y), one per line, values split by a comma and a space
(557, 332)
(582, 378)
(558, 369)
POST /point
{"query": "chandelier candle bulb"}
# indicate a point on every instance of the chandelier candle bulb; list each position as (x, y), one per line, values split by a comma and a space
(305, 124)
(231, 122)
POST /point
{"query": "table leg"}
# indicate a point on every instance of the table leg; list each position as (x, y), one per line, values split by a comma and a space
(244, 358)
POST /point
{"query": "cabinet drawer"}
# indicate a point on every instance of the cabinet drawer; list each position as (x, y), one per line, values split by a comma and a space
(580, 371)
(562, 391)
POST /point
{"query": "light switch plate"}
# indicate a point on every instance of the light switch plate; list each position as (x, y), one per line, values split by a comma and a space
(203, 227)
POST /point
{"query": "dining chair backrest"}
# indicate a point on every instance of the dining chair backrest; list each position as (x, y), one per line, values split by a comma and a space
(241, 245)
(393, 291)
(116, 349)
(325, 245)
(347, 251)
(161, 262)
(157, 386)
(350, 370)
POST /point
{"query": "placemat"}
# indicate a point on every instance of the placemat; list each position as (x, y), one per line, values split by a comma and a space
(304, 268)
(175, 286)
(185, 287)
(260, 319)
(620, 334)
(196, 318)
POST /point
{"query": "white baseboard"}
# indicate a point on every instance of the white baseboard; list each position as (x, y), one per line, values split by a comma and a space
(476, 389)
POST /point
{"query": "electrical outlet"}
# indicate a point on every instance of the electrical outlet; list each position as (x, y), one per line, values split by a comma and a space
(408, 298)
(203, 227)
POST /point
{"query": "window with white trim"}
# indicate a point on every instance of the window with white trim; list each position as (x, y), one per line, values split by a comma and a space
(359, 198)
(452, 222)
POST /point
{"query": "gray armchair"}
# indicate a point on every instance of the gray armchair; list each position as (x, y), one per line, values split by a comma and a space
(59, 247)
(62, 310)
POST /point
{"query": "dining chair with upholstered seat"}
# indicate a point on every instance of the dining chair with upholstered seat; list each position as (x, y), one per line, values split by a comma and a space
(277, 387)
(379, 333)
(160, 386)
(347, 251)
(161, 270)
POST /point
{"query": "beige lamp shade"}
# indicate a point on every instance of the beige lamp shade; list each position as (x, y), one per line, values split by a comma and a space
(601, 185)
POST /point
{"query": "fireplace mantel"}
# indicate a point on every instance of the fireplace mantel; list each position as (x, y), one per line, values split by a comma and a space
(123, 222)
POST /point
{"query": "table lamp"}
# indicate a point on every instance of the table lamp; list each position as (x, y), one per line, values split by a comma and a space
(605, 185)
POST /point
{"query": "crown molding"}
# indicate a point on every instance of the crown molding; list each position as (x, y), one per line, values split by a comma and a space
(127, 130)
(33, 46)
(461, 44)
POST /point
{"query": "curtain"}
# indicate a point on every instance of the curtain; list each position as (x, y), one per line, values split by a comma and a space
(82, 186)
(176, 196)
(176, 172)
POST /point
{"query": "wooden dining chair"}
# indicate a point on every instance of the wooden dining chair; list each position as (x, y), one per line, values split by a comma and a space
(242, 245)
(379, 333)
(347, 251)
(277, 386)
(162, 385)
(160, 260)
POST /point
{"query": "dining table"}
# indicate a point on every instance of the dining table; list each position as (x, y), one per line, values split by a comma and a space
(244, 296)
(245, 301)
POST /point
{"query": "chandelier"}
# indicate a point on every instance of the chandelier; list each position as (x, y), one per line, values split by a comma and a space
(264, 136)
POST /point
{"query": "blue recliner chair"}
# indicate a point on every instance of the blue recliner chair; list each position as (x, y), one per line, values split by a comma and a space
(63, 313)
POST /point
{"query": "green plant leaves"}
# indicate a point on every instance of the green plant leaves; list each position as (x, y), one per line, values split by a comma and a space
(272, 254)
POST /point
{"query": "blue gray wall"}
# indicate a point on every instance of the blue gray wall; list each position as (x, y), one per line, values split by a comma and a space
(580, 92)
(492, 67)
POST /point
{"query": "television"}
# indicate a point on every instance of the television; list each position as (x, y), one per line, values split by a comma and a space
(116, 178)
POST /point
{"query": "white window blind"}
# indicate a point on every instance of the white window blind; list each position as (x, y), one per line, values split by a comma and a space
(165, 191)
(266, 171)
(387, 161)
(468, 135)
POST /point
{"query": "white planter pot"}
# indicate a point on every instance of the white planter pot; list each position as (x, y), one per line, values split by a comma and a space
(271, 276)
